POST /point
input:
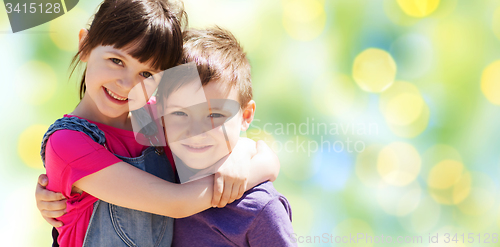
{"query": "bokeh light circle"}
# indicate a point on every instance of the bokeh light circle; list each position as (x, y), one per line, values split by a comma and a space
(398, 164)
(374, 70)
(449, 182)
(35, 83)
(304, 20)
(418, 8)
(445, 174)
(436, 154)
(28, 145)
(490, 82)
(404, 109)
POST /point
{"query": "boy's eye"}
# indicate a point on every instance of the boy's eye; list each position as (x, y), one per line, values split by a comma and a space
(178, 113)
(146, 74)
(116, 61)
(215, 115)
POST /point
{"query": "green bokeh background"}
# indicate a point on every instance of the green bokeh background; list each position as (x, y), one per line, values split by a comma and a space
(302, 55)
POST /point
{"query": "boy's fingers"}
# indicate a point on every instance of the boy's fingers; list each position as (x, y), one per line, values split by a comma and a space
(52, 214)
(218, 189)
(43, 180)
(53, 206)
(53, 222)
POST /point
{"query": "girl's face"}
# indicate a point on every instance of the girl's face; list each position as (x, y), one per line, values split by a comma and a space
(118, 83)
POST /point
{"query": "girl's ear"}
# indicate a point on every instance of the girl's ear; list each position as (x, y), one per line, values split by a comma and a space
(248, 114)
(81, 37)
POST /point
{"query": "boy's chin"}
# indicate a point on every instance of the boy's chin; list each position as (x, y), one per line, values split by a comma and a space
(197, 164)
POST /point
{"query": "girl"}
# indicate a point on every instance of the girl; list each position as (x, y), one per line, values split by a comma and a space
(92, 153)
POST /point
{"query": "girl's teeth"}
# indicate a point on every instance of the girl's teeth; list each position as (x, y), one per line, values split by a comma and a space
(115, 96)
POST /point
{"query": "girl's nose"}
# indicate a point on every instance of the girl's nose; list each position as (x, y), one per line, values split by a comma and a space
(126, 83)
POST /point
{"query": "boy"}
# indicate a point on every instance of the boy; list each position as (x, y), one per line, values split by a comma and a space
(203, 117)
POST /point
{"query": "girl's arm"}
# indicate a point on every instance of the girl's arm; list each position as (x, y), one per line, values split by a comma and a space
(127, 186)
(130, 187)
(173, 200)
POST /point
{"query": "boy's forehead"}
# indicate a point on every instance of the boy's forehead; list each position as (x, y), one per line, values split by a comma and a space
(193, 93)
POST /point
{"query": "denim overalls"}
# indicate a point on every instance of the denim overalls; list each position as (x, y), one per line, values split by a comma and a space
(111, 225)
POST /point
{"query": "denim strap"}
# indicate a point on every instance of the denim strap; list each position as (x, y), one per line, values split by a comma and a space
(73, 123)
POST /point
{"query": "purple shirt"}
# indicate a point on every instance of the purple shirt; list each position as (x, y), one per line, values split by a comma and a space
(261, 217)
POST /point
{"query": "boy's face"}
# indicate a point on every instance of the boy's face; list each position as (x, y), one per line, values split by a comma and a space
(203, 124)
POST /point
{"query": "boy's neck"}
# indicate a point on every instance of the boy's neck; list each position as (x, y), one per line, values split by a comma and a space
(88, 110)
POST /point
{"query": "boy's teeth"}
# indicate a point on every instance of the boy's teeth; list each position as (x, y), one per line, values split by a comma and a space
(115, 96)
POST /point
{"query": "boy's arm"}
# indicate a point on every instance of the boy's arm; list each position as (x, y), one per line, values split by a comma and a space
(50, 204)
(273, 226)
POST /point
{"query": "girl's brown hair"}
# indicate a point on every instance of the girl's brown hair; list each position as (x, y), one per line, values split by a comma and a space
(151, 30)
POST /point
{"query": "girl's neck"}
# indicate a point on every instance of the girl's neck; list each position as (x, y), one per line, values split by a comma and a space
(87, 109)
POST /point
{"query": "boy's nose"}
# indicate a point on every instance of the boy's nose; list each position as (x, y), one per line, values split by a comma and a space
(196, 129)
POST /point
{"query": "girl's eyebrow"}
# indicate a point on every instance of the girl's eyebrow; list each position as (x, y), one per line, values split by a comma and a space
(117, 54)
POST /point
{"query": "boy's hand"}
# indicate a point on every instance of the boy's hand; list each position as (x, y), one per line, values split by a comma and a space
(231, 179)
(50, 204)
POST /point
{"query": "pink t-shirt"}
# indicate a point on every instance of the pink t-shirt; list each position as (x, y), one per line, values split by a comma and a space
(71, 155)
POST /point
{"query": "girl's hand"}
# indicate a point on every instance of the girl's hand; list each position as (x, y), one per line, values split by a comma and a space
(50, 204)
(231, 179)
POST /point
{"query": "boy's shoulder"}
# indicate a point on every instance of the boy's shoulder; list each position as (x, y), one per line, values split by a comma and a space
(259, 196)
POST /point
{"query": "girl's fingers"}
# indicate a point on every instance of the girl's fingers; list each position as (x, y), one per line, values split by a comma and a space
(235, 193)
(42, 194)
(226, 195)
(52, 214)
(53, 206)
(53, 222)
(242, 190)
(43, 180)
(218, 189)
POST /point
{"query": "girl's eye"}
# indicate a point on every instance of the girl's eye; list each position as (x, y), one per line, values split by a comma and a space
(116, 61)
(216, 115)
(178, 113)
(146, 74)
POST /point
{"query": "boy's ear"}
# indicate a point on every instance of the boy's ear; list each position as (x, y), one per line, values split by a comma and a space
(248, 114)
(81, 37)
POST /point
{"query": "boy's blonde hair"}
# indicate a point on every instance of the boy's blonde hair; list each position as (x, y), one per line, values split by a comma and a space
(218, 57)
